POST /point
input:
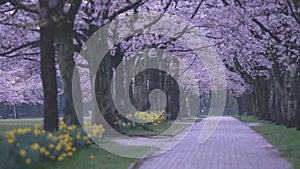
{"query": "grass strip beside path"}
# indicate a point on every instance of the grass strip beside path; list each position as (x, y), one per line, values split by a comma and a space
(285, 140)
(92, 158)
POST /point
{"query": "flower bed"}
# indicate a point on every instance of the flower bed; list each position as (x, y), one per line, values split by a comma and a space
(143, 117)
(26, 147)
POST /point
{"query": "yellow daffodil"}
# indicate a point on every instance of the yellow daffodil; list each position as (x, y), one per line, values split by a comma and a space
(35, 146)
(50, 135)
(37, 126)
(58, 147)
(60, 158)
(85, 138)
(64, 155)
(28, 161)
(11, 140)
(42, 149)
(36, 132)
(51, 146)
(68, 148)
(23, 153)
(47, 153)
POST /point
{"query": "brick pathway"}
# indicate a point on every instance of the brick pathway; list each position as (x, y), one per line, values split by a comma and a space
(232, 146)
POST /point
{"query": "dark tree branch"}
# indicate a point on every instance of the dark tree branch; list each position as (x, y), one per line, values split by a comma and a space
(125, 9)
(22, 6)
(225, 3)
(73, 9)
(242, 72)
(238, 3)
(24, 25)
(189, 67)
(197, 9)
(29, 44)
(272, 35)
(293, 12)
(8, 10)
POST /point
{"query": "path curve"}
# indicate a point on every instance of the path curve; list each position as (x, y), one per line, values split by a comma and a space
(233, 145)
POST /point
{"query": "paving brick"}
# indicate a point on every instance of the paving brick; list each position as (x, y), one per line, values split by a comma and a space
(233, 145)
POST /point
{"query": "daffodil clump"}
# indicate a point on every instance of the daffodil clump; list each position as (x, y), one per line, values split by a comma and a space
(144, 117)
(151, 117)
(94, 131)
(25, 146)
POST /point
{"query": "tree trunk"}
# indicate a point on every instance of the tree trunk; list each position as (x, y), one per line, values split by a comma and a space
(97, 83)
(48, 71)
(67, 65)
(272, 103)
(16, 112)
(261, 90)
(103, 91)
(4, 111)
(291, 89)
(297, 86)
(241, 106)
(249, 103)
(65, 48)
(298, 104)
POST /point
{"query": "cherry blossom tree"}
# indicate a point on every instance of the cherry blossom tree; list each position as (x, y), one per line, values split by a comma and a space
(258, 42)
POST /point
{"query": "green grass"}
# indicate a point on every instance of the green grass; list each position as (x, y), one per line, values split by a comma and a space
(285, 140)
(103, 160)
(22, 121)
(163, 128)
(175, 129)
(126, 151)
(247, 119)
(9, 124)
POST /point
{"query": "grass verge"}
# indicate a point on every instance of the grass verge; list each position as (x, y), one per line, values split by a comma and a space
(163, 128)
(285, 140)
(91, 158)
